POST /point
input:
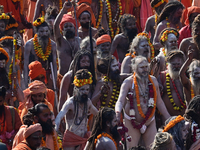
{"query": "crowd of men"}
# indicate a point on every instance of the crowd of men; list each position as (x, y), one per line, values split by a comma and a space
(99, 75)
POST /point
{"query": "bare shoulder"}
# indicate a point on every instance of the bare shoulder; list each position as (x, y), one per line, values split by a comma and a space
(127, 59)
(155, 81)
(186, 40)
(68, 75)
(128, 80)
(53, 43)
(105, 143)
(69, 102)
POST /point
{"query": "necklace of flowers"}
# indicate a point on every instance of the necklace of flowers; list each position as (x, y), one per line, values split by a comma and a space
(151, 103)
(183, 103)
(100, 13)
(163, 50)
(114, 96)
(168, 24)
(6, 38)
(39, 51)
(60, 5)
(133, 56)
(105, 135)
(109, 13)
(156, 18)
(43, 142)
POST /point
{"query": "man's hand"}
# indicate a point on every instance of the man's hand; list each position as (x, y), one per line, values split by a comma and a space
(190, 53)
(105, 88)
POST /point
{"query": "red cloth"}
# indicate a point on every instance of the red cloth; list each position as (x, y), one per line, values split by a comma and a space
(185, 32)
(103, 39)
(36, 69)
(84, 1)
(145, 12)
(71, 140)
(84, 7)
(67, 18)
(190, 10)
(9, 6)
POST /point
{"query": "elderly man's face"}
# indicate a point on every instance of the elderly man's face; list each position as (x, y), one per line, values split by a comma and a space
(2, 63)
(171, 43)
(104, 49)
(143, 49)
(142, 68)
(85, 62)
(196, 72)
(43, 32)
(85, 20)
(37, 98)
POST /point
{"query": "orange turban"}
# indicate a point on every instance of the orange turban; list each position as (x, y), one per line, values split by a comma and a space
(192, 9)
(32, 129)
(67, 18)
(36, 69)
(36, 87)
(103, 39)
(84, 7)
(84, 1)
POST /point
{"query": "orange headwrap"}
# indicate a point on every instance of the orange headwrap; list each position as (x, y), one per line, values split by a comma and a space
(84, 1)
(36, 87)
(103, 39)
(84, 7)
(32, 129)
(67, 18)
(36, 69)
(192, 9)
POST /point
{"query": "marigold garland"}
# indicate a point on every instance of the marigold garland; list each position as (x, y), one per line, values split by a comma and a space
(100, 13)
(168, 24)
(114, 96)
(183, 103)
(164, 36)
(173, 123)
(4, 16)
(110, 17)
(5, 53)
(160, 3)
(133, 56)
(12, 25)
(105, 135)
(82, 82)
(55, 141)
(60, 5)
(150, 44)
(39, 51)
(156, 18)
(6, 38)
(138, 96)
(39, 21)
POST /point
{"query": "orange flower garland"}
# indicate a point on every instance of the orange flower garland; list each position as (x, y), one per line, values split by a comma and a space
(105, 135)
(138, 96)
(173, 123)
(168, 24)
(4, 16)
(39, 21)
(39, 51)
(82, 82)
(164, 36)
(150, 44)
(6, 38)
(163, 50)
(12, 25)
(110, 17)
(100, 13)
(43, 142)
(60, 5)
(132, 55)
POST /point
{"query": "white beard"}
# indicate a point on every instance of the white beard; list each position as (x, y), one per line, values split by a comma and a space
(173, 74)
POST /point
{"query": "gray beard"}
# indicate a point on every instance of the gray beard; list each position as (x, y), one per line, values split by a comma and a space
(195, 85)
(43, 42)
(173, 74)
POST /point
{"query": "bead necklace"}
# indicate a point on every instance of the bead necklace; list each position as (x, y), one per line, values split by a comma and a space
(39, 51)
(183, 103)
(114, 96)
(100, 13)
(168, 24)
(109, 14)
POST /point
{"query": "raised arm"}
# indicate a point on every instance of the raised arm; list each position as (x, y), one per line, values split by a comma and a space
(115, 43)
(160, 104)
(93, 109)
(156, 43)
(122, 97)
(27, 50)
(183, 78)
(54, 59)
(97, 93)
(56, 28)
(66, 107)
(126, 65)
(64, 87)
(37, 9)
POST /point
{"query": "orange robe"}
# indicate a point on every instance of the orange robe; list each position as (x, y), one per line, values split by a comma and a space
(22, 146)
(71, 140)
(20, 137)
(50, 96)
(9, 6)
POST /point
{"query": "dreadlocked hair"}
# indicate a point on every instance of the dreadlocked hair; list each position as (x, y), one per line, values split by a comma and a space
(76, 65)
(44, 24)
(193, 110)
(195, 24)
(100, 32)
(51, 12)
(170, 8)
(28, 119)
(105, 115)
(122, 20)
(36, 110)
